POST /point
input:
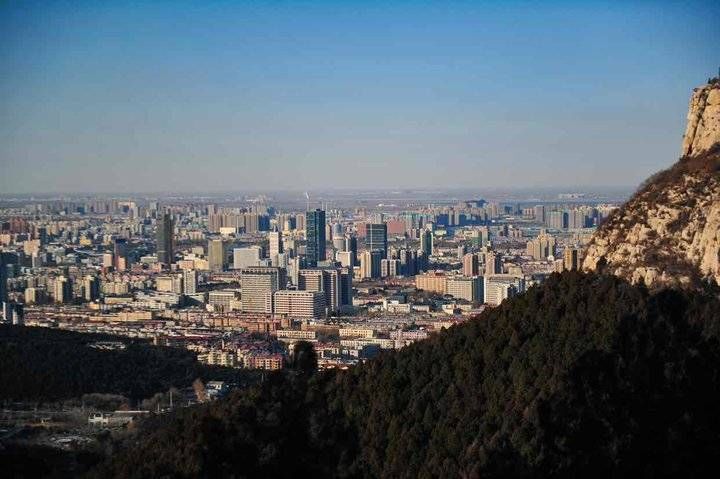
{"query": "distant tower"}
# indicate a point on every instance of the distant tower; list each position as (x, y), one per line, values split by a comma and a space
(426, 242)
(351, 247)
(275, 244)
(571, 259)
(217, 255)
(370, 262)
(493, 263)
(189, 281)
(164, 238)
(315, 236)
(120, 262)
(376, 238)
(63, 291)
(91, 288)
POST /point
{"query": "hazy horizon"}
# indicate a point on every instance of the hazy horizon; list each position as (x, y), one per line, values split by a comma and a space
(462, 190)
(223, 97)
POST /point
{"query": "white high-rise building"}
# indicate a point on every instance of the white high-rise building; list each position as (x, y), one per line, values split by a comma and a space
(189, 277)
(276, 245)
(258, 286)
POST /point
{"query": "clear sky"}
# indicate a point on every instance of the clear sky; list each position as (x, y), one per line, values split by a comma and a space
(218, 96)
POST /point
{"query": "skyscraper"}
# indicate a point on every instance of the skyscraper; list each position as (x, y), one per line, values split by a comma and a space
(376, 238)
(41, 234)
(91, 288)
(62, 290)
(216, 255)
(370, 264)
(346, 293)
(164, 238)
(471, 265)
(315, 236)
(426, 242)
(189, 281)
(408, 262)
(276, 246)
(571, 259)
(493, 263)
(120, 262)
(351, 247)
(484, 233)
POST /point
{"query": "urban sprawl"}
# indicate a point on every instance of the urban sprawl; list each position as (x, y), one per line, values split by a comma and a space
(238, 281)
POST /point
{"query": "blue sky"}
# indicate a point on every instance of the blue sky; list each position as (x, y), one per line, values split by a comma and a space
(217, 96)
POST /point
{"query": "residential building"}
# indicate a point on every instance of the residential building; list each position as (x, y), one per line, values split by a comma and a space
(258, 286)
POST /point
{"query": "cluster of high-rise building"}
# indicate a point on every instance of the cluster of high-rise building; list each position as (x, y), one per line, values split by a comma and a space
(261, 268)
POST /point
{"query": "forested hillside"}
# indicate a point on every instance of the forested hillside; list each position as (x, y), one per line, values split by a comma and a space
(586, 375)
(41, 364)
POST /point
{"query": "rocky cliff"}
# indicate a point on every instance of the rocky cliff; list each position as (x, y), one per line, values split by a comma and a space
(703, 120)
(668, 233)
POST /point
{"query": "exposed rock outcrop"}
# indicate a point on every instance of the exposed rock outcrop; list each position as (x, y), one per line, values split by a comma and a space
(668, 233)
(703, 120)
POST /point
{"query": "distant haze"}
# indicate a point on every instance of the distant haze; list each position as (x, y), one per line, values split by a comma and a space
(226, 96)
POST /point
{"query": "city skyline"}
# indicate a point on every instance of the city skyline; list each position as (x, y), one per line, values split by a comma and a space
(403, 332)
(214, 98)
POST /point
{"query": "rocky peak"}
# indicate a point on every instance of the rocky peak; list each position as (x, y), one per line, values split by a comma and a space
(703, 120)
(668, 233)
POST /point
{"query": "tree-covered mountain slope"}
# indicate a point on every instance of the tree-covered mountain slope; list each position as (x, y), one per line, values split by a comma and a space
(586, 375)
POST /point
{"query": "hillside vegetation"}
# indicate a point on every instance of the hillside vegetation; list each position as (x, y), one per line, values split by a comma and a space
(41, 364)
(585, 375)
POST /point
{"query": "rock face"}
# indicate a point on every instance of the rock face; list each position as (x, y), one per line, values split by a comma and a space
(703, 120)
(668, 233)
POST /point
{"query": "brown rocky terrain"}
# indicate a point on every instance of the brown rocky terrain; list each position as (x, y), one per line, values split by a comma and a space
(668, 233)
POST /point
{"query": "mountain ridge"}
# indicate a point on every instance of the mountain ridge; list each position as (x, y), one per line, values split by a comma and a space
(668, 232)
(585, 375)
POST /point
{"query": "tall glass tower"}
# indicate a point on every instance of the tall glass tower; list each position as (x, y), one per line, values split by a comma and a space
(426, 242)
(165, 239)
(376, 238)
(315, 235)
